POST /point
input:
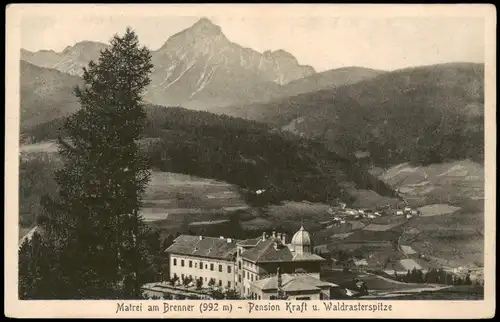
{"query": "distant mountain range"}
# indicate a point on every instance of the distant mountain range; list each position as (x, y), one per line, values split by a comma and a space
(198, 68)
(71, 60)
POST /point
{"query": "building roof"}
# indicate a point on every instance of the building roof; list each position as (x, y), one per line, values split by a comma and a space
(292, 283)
(360, 262)
(301, 238)
(265, 251)
(250, 242)
(209, 247)
(307, 257)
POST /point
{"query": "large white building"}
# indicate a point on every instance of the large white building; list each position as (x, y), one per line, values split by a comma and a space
(204, 258)
(251, 266)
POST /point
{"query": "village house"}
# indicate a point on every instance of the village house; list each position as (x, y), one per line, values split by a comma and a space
(360, 264)
(351, 212)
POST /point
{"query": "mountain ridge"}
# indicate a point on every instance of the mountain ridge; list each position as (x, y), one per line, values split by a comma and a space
(45, 94)
(439, 104)
(198, 68)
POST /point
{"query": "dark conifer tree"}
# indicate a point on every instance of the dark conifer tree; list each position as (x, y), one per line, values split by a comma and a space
(94, 225)
(468, 281)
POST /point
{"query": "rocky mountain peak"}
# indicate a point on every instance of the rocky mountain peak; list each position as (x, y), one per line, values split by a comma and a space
(201, 32)
(206, 27)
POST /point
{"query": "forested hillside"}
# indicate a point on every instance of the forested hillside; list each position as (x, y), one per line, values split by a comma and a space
(424, 115)
(246, 153)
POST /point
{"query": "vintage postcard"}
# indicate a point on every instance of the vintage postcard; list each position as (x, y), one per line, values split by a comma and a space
(256, 161)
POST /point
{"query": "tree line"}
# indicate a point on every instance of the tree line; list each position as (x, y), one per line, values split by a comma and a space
(435, 276)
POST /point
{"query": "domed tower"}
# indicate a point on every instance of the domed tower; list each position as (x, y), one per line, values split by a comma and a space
(301, 242)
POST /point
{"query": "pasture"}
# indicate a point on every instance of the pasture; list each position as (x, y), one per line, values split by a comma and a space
(437, 209)
(171, 194)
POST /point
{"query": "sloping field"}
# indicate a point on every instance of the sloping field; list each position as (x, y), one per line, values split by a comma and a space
(39, 147)
(389, 220)
(455, 239)
(370, 199)
(293, 213)
(377, 227)
(450, 197)
(373, 236)
(256, 224)
(450, 182)
(341, 235)
(437, 209)
(172, 193)
(356, 224)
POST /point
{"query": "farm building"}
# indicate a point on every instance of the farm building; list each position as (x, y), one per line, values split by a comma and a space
(360, 264)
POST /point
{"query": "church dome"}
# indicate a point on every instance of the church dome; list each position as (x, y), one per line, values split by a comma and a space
(301, 238)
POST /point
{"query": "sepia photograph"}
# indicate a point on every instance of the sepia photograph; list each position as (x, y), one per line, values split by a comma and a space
(219, 155)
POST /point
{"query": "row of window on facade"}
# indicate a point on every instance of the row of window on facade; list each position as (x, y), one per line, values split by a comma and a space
(249, 276)
(206, 280)
(190, 264)
(247, 264)
(255, 296)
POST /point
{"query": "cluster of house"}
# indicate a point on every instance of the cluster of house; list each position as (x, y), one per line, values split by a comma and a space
(407, 211)
(262, 268)
(342, 211)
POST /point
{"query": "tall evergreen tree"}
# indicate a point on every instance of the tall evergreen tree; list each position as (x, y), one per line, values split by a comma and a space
(94, 224)
(35, 279)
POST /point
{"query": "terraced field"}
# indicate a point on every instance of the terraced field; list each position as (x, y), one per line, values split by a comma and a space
(171, 194)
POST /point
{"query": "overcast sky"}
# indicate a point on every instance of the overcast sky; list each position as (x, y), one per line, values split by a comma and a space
(323, 42)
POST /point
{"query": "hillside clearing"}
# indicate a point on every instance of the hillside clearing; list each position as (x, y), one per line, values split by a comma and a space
(437, 209)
